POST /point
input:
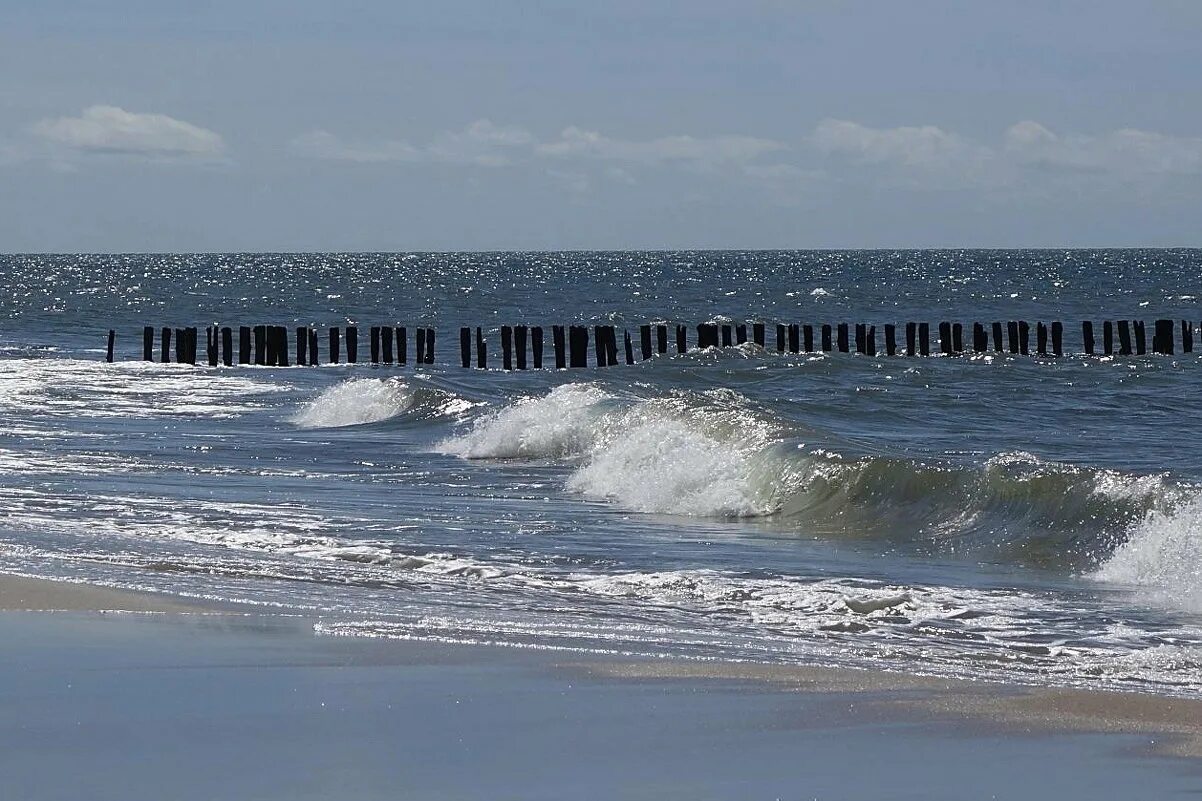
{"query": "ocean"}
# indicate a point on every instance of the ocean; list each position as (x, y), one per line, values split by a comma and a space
(1011, 518)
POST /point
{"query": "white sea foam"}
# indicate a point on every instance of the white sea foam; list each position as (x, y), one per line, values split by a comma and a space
(554, 425)
(354, 402)
(1163, 557)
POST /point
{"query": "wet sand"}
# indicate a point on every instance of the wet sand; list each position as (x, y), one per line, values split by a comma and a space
(192, 703)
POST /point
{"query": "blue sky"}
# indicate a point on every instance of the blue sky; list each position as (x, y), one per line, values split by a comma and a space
(372, 125)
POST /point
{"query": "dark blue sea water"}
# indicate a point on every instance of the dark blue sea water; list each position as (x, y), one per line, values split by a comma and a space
(1024, 519)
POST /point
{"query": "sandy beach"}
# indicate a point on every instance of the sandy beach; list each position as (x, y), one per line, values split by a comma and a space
(190, 702)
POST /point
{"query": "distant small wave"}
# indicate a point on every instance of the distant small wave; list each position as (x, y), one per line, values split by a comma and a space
(358, 401)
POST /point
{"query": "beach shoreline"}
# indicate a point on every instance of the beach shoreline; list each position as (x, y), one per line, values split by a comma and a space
(700, 705)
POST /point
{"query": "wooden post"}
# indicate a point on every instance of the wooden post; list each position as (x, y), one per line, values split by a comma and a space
(482, 347)
(419, 353)
(1041, 338)
(843, 337)
(861, 338)
(1124, 338)
(1162, 338)
(1024, 337)
(402, 345)
(557, 341)
(536, 345)
(1141, 343)
(165, 345)
(707, 335)
(1087, 337)
(465, 347)
(352, 344)
(780, 338)
(807, 338)
(1057, 338)
(645, 341)
(335, 351)
(312, 347)
(108, 355)
(757, 333)
(629, 347)
(212, 342)
(429, 346)
(924, 339)
(281, 335)
(227, 346)
(794, 338)
(726, 338)
(1107, 337)
(520, 333)
(980, 342)
(740, 334)
(611, 346)
(1012, 336)
(911, 338)
(181, 346)
(1187, 336)
(871, 340)
(148, 343)
(506, 347)
(386, 344)
(682, 339)
(260, 332)
(302, 345)
(599, 353)
(997, 337)
(826, 338)
(890, 339)
(578, 346)
(374, 334)
(945, 338)
(244, 344)
(661, 339)
(957, 338)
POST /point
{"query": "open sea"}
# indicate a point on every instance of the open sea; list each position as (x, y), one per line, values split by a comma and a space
(1012, 518)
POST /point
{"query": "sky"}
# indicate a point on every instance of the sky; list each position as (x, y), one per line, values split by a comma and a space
(385, 125)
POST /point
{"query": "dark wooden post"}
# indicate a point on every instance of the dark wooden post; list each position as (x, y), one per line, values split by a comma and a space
(312, 347)
(740, 334)
(536, 345)
(957, 338)
(843, 337)
(1024, 337)
(1162, 337)
(924, 339)
(726, 338)
(402, 345)
(682, 339)
(1124, 338)
(611, 346)
(260, 344)
(429, 346)
(352, 344)
(757, 333)
(374, 334)
(707, 335)
(506, 347)
(302, 345)
(465, 347)
(980, 342)
(1187, 336)
(1087, 337)
(386, 344)
(780, 338)
(794, 337)
(1041, 338)
(482, 347)
(165, 345)
(227, 346)
(870, 338)
(244, 344)
(826, 338)
(335, 351)
(578, 346)
(212, 342)
(807, 338)
(945, 338)
(911, 338)
(997, 337)
(599, 346)
(1141, 343)
(108, 354)
(148, 343)
(281, 337)
(645, 341)
(629, 347)
(1012, 336)
(890, 339)
(1107, 337)
(861, 338)
(661, 339)
(1057, 338)
(419, 352)
(519, 345)
(557, 342)
(181, 345)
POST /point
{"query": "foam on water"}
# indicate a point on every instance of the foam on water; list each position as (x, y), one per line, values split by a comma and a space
(1162, 557)
(354, 402)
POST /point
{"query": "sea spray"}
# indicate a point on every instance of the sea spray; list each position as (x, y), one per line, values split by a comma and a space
(354, 402)
(1162, 557)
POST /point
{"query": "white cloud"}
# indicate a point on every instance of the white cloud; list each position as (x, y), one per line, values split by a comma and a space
(576, 142)
(909, 146)
(109, 129)
(1126, 152)
(325, 145)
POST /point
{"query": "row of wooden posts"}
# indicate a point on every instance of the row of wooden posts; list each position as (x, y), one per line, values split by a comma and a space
(270, 345)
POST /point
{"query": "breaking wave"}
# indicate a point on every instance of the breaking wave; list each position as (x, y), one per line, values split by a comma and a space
(1162, 557)
(358, 401)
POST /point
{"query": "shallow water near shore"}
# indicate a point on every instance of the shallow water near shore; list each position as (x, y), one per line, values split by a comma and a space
(1025, 520)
